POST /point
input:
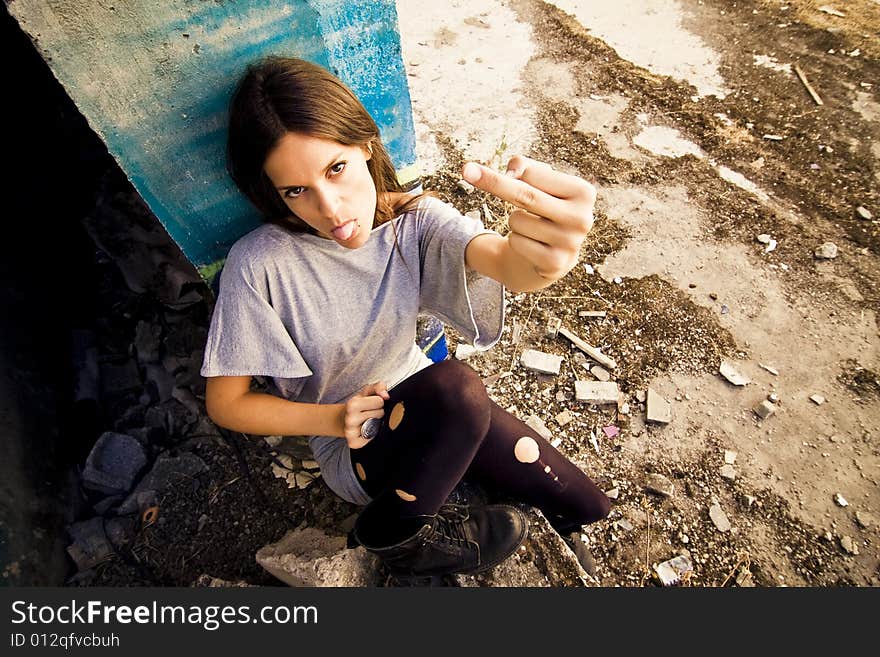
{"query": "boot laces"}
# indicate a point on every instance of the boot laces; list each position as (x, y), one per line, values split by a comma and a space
(449, 527)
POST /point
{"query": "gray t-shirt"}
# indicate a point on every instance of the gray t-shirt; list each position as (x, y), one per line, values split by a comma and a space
(320, 321)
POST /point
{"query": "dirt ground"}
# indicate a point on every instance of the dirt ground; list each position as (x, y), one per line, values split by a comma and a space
(687, 182)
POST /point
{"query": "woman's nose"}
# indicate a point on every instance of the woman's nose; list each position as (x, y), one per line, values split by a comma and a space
(328, 203)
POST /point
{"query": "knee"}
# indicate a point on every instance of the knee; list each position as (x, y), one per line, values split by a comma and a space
(454, 391)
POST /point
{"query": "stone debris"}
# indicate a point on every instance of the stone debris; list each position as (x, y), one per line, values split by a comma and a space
(773, 137)
(465, 186)
(771, 246)
(90, 543)
(553, 325)
(596, 392)
(773, 398)
(114, 464)
(623, 409)
(673, 571)
(657, 483)
(849, 545)
(728, 471)
(831, 11)
(592, 314)
(536, 423)
(624, 524)
(564, 418)
(730, 456)
(840, 500)
(764, 238)
(589, 269)
(641, 396)
(600, 373)
(167, 470)
(865, 520)
(770, 369)
(728, 371)
(764, 410)
(613, 493)
(828, 251)
(659, 410)
(538, 361)
(555, 443)
(817, 399)
(744, 578)
(464, 351)
(864, 213)
(301, 480)
(719, 518)
(594, 442)
(589, 350)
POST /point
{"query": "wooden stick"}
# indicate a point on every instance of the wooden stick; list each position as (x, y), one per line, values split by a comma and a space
(803, 78)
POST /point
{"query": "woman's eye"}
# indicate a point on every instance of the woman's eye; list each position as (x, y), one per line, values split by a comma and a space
(293, 192)
(338, 167)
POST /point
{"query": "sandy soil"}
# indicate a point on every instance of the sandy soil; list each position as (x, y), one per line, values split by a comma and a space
(692, 121)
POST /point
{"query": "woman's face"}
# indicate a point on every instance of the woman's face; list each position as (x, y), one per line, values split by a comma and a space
(327, 185)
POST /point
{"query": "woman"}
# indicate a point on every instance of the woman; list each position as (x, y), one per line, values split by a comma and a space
(322, 300)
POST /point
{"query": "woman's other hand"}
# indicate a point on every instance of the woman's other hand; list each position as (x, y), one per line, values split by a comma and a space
(368, 402)
(554, 215)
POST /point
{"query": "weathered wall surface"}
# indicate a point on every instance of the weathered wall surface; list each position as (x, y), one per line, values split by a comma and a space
(154, 78)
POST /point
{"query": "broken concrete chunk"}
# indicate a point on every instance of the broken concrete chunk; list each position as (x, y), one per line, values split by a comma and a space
(596, 392)
(464, 351)
(612, 494)
(564, 418)
(90, 544)
(728, 471)
(828, 251)
(770, 369)
(817, 399)
(589, 350)
(764, 238)
(641, 396)
(672, 571)
(840, 500)
(553, 325)
(536, 423)
(848, 544)
(659, 410)
(728, 371)
(538, 361)
(866, 520)
(864, 213)
(113, 464)
(729, 456)
(600, 373)
(657, 483)
(719, 518)
(166, 471)
(592, 314)
(764, 410)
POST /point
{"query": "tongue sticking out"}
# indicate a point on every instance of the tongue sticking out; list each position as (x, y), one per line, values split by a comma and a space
(345, 231)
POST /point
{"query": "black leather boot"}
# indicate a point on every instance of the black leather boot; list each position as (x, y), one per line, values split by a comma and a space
(458, 539)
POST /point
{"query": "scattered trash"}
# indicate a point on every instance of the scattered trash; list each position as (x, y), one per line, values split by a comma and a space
(594, 442)
(674, 571)
(596, 392)
(465, 186)
(611, 431)
(589, 350)
(592, 314)
(538, 361)
(553, 325)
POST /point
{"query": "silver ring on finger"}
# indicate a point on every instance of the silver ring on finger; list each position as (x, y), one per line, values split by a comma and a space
(370, 428)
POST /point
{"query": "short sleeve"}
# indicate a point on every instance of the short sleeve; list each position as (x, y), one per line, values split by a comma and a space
(247, 336)
(471, 303)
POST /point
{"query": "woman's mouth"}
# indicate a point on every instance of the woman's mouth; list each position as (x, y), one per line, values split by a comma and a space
(346, 231)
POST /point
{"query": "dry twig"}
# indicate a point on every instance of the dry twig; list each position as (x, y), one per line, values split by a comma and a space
(803, 78)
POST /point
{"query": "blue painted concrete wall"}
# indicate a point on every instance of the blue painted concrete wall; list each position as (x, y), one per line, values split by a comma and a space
(154, 79)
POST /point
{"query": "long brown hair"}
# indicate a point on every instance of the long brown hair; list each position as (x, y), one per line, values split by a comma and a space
(278, 95)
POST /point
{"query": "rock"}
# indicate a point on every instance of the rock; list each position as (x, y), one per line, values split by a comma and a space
(113, 464)
(624, 524)
(771, 247)
(828, 251)
(623, 409)
(117, 379)
(865, 520)
(555, 443)
(90, 545)
(538, 361)
(728, 471)
(536, 423)
(773, 398)
(817, 399)
(596, 392)
(764, 238)
(730, 456)
(563, 418)
(465, 186)
(641, 396)
(659, 410)
(166, 471)
(764, 410)
(657, 483)
(744, 578)
(770, 369)
(719, 518)
(309, 557)
(207, 581)
(864, 213)
(600, 373)
(147, 338)
(553, 325)
(673, 571)
(840, 500)
(612, 494)
(464, 351)
(849, 545)
(728, 371)
(592, 314)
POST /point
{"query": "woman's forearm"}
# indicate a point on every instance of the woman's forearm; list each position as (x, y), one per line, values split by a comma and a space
(267, 415)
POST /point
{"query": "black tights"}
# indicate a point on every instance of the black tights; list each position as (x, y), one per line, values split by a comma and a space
(439, 427)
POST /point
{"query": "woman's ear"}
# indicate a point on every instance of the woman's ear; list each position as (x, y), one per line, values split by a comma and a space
(369, 150)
